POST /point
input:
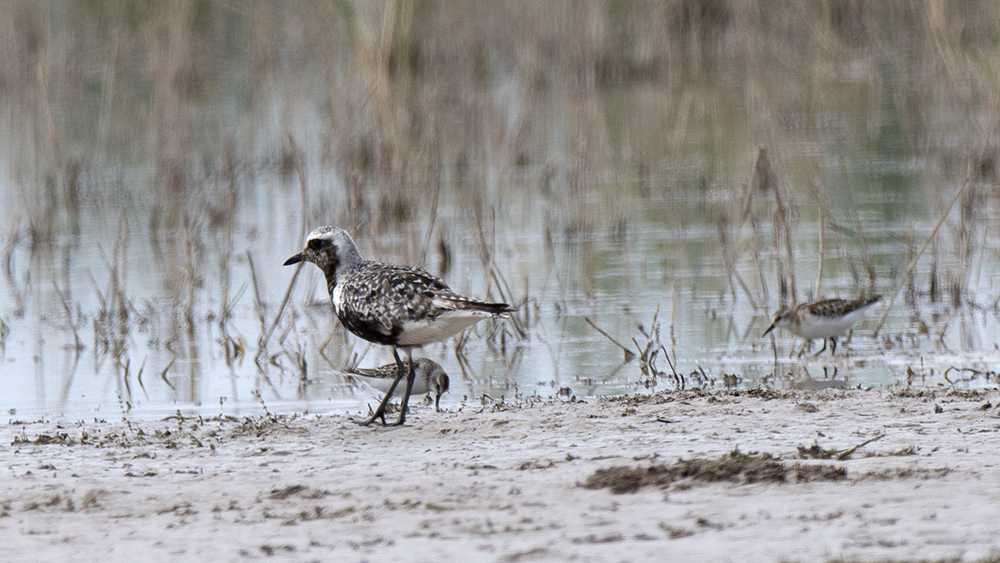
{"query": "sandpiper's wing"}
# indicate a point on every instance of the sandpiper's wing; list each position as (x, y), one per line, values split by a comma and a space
(839, 307)
(386, 371)
(430, 377)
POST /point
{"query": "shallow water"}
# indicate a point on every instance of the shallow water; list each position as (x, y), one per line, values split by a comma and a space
(162, 164)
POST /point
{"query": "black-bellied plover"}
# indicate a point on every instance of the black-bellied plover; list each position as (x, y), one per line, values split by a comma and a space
(430, 377)
(396, 306)
(826, 319)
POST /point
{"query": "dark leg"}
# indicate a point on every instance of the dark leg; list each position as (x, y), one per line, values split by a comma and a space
(409, 387)
(380, 411)
(833, 344)
(823, 349)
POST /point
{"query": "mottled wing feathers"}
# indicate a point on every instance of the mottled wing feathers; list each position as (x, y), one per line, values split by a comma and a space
(838, 307)
(376, 300)
(375, 297)
(422, 366)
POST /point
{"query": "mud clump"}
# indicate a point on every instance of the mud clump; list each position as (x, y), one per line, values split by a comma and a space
(734, 467)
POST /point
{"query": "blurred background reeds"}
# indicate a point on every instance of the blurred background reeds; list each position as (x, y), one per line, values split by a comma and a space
(600, 164)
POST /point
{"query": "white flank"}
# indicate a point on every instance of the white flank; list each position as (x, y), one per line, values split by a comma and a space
(441, 327)
(816, 326)
(337, 298)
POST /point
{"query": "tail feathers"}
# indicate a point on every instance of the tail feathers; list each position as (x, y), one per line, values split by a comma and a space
(458, 302)
(497, 308)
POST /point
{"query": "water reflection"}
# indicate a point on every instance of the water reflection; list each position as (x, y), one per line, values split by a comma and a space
(597, 163)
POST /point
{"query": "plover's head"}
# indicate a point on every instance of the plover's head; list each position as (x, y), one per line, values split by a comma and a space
(784, 318)
(329, 248)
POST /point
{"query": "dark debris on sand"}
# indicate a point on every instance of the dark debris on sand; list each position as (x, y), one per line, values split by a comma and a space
(735, 467)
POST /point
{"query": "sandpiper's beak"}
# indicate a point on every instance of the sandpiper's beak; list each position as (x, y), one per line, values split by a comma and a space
(294, 259)
(769, 329)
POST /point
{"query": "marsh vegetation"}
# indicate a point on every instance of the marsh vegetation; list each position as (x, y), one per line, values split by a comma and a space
(648, 182)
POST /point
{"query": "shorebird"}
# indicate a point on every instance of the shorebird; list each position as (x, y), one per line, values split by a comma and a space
(391, 305)
(430, 378)
(826, 319)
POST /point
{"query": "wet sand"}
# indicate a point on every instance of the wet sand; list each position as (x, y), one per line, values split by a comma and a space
(516, 482)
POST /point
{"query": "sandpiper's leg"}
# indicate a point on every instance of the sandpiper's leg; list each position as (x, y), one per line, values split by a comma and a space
(802, 349)
(833, 344)
(380, 411)
(437, 401)
(823, 349)
(409, 387)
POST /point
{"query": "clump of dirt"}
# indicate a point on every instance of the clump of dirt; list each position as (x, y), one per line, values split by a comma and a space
(816, 452)
(765, 394)
(922, 393)
(194, 431)
(914, 393)
(681, 395)
(733, 467)
(259, 426)
(725, 396)
(895, 474)
(60, 438)
(296, 490)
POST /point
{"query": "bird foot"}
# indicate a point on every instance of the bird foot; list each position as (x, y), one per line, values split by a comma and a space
(370, 420)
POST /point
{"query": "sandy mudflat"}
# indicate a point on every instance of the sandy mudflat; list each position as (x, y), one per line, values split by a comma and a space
(506, 483)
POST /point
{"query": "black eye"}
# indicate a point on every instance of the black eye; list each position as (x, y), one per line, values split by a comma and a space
(315, 244)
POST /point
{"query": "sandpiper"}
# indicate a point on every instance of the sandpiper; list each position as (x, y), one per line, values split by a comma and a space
(826, 319)
(430, 378)
(391, 305)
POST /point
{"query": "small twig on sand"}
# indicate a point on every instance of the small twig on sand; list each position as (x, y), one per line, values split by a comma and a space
(846, 454)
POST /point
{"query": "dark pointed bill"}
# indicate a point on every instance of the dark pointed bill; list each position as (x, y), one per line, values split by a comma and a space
(769, 329)
(294, 259)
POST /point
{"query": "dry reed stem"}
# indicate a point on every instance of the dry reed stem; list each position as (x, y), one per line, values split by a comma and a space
(858, 235)
(69, 318)
(13, 238)
(678, 379)
(673, 310)
(629, 355)
(819, 266)
(300, 172)
(933, 282)
(266, 336)
(431, 222)
(911, 289)
(980, 258)
(762, 179)
(138, 378)
(913, 262)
